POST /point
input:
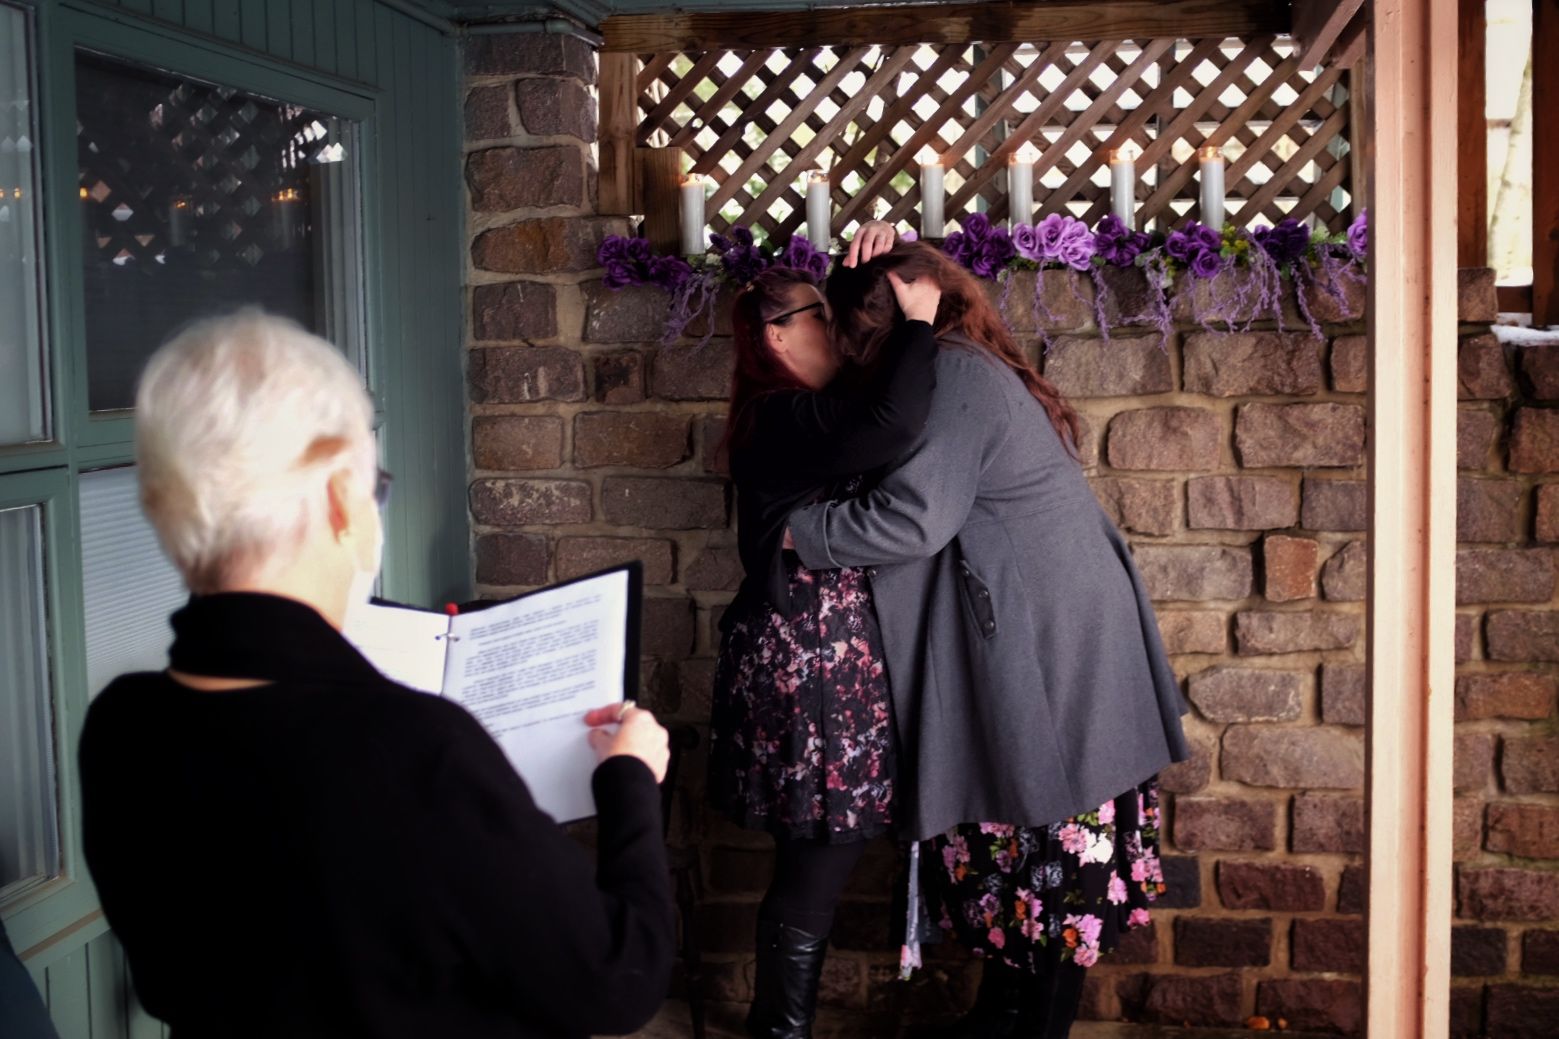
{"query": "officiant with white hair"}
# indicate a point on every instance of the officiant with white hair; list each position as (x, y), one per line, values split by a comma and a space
(285, 841)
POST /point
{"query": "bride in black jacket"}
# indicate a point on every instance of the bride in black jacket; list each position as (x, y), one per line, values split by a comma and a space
(802, 740)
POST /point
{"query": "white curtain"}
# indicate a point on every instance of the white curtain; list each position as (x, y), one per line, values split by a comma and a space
(22, 393)
(128, 586)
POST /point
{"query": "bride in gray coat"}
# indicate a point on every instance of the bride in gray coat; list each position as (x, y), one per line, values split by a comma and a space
(1033, 699)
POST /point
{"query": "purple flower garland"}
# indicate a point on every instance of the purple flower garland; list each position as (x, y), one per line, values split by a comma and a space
(1313, 262)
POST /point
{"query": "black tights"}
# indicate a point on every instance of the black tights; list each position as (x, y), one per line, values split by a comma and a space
(1050, 996)
(809, 877)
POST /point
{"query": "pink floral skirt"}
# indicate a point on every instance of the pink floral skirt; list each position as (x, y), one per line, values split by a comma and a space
(1034, 895)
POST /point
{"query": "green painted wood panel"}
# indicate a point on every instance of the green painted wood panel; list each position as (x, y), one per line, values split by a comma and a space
(69, 995)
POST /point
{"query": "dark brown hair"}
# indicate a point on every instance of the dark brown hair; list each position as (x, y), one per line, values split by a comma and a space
(865, 311)
(758, 371)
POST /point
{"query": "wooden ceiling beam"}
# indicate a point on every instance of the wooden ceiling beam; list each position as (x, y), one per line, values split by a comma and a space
(1086, 21)
(1322, 25)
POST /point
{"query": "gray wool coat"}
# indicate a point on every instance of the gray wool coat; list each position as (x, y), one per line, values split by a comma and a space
(1028, 678)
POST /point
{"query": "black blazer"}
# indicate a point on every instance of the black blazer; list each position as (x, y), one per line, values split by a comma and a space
(333, 854)
(801, 442)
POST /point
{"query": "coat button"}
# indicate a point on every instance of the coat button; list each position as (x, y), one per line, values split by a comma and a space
(990, 625)
(871, 571)
(984, 594)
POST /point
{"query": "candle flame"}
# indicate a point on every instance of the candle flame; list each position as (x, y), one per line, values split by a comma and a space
(1125, 153)
(694, 178)
(1027, 153)
(288, 195)
(817, 177)
(1210, 151)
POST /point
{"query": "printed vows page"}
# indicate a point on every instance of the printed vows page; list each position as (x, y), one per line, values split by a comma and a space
(528, 670)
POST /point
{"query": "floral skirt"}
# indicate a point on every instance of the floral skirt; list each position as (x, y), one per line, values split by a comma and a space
(1037, 895)
(801, 730)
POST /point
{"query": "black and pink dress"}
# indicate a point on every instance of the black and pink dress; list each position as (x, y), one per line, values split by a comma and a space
(801, 727)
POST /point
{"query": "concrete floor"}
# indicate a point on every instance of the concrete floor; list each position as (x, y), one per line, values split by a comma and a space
(724, 1021)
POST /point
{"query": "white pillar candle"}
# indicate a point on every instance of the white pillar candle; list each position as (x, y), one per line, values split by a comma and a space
(931, 198)
(1123, 187)
(1020, 188)
(1212, 187)
(820, 210)
(693, 243)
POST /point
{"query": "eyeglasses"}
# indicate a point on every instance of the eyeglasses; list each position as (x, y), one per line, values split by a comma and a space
(792, 313)
(382, 482)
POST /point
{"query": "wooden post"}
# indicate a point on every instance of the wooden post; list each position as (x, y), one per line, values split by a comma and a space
(1412, 524)
(660, 175)
(1545, 164)
(1361, 135)
(617, 129)
(1472, 135)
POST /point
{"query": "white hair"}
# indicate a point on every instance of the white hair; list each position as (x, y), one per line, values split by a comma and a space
(237, 418)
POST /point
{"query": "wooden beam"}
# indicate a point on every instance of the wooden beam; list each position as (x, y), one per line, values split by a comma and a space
(1472, 135)
(1361, 136)
(1318, 24)
(617, 127)
(1412, 518)
(1086, 21)
(660, 179)
(1545, 164)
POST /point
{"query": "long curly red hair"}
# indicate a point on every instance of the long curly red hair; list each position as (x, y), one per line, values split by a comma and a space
(864, 312)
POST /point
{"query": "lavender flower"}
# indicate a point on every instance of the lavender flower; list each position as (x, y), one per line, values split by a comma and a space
(1065, 240)
(1359, 235)
(1025, 239)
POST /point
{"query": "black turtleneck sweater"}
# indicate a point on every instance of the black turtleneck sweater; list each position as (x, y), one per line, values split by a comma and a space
(334, 854)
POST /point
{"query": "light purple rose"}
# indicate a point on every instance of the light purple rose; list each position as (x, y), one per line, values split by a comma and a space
(1359, 235)
(1077, 250)
(1051, 231)
(1025, 239)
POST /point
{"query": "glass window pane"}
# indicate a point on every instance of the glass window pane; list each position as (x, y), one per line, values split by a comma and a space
(23, 391)
(29, 819)
(128, 586)
(198, 199)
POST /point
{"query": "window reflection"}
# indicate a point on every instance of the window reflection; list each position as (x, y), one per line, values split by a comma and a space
(197, 199)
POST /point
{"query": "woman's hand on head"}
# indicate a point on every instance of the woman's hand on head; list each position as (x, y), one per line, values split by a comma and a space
(871, 240)
(918, 299)
(637, 735)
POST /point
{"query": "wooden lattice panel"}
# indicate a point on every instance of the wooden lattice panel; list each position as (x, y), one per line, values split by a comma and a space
(755, 121)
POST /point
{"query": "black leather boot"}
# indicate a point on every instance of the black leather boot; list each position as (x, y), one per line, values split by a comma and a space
(790, 962)
(1001, 1008)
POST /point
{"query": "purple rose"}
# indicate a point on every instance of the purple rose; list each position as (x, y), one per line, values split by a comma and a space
(1206, 263)
(742, 237)
(1359, 235)
(993, 255)
(976, 226)
(1025, 239)
(1077, 251)
(1178, 246)
(958, 246)
(720, 243)
(1051, 231)
(613, 248)
(1206, 237)
(620, 274)
(1111, 226)
(639, 250)
(669, 272)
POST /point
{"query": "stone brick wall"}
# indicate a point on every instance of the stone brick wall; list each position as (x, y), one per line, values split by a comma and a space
(1235, 463)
